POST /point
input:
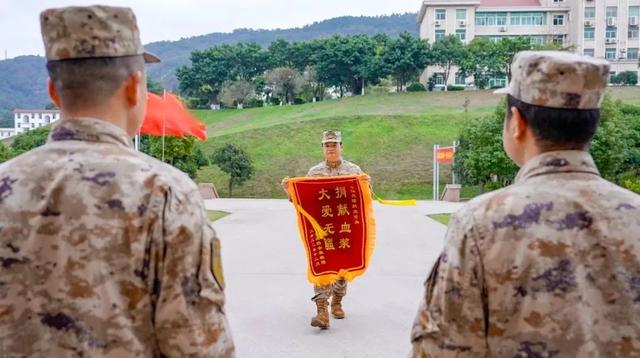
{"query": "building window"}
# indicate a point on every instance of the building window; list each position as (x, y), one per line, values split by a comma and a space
(497, 82)
(634, 11)
(632, 53)
(558, 1)
(558, 20)
(558, 40)
(439, 79)
(610, 53)
(460, 79)
(528, 18)
(461, 14)
(611, 33)
(612, 75)
(440, 34)
(441, 14)
(589, 12)
(633, 34)
(612, 11)
(589, 33)
(462, 35)
(491, 18)
(536, 40)
(589, 52)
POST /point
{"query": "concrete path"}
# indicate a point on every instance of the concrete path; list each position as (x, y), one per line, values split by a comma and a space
(268, 295)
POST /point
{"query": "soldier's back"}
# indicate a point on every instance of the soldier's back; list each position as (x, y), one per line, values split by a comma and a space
(561, 261)
(87, 251)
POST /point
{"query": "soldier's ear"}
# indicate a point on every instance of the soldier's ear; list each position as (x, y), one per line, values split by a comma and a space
(132, 89)
(53, 93)
(517, 125)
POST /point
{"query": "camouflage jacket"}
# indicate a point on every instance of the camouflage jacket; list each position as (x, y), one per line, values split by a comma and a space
(325, 170)
(105, 252)
(548, 267)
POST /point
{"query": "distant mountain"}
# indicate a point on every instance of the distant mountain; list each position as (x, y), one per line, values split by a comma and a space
(22, 79)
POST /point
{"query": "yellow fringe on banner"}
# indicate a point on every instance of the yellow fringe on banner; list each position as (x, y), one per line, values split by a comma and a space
(316, 227)
(409, 202)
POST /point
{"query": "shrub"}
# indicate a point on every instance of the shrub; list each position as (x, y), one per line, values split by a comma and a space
(455, 88)
(299, 101)
(416, 87)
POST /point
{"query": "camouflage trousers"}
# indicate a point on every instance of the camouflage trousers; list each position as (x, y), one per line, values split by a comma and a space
(323, 293)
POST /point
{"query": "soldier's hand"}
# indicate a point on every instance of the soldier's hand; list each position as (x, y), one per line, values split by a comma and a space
(285, 184)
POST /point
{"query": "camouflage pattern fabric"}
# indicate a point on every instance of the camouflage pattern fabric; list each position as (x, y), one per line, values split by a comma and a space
(325, 169)
(105, 252)
(558, 79)
(91, 32)
(548, 267)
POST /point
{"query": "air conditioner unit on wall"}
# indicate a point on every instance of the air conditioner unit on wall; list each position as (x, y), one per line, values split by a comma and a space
(589, 23)
(503, 29)
(438, 23)
(633, 21)
(611, 21)
(610, 41)
(462, 23)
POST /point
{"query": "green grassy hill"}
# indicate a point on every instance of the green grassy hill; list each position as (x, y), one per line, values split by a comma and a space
(391, 137)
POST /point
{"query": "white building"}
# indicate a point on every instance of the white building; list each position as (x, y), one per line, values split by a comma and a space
(601, 28)
(26, 119)
(7, 132)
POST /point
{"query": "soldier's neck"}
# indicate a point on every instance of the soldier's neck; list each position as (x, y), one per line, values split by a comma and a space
(106, 114)
(333, 165)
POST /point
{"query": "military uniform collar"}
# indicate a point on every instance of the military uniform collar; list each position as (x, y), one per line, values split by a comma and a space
(566, 161)
(89, 130)
(333, 165)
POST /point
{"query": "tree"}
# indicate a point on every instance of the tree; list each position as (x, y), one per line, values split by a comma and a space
(249, 61)
(446, 53)
(285, 82)
(626, 78)
(235, 162)
(181, 153)
(31, 139)
(209, 70)
(347, 62)
(237, 93)
(154, 87)
(405, 58)
(507, 48)
(480, 60)
(5, 153)
(312, 84)
(480, 158)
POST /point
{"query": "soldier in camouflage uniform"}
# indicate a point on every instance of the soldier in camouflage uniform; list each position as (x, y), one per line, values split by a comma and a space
(550, 266)
(104, 251)
(333, 165)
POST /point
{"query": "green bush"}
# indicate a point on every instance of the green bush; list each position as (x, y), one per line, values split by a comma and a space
(626, 78)
(275, 101)
(455, 88)
(299, 101)
(254, 103)
(416, 87)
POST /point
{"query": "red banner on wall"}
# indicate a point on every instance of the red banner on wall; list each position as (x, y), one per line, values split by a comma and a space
(336, 224)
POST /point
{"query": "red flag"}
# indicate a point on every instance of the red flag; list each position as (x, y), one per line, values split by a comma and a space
(166, 115)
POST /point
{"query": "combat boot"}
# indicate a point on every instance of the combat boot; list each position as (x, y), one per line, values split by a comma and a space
(321, 320)
(336, 306)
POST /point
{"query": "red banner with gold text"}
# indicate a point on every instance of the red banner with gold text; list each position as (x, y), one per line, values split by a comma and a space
(337, 225)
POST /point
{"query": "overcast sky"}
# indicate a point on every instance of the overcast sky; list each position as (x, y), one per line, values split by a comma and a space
(172, 20)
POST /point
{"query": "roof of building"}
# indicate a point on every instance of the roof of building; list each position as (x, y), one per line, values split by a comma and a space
(509, 3)
(51, 111)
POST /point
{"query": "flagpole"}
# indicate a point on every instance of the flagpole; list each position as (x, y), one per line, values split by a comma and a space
(164, 119)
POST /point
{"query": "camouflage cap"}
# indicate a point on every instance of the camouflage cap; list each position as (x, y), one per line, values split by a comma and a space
(558, 79)
(91, 32)
(331, 137)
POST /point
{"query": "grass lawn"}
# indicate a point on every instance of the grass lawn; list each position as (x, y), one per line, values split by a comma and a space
(390, 136)
(214, 215)
(441, 218)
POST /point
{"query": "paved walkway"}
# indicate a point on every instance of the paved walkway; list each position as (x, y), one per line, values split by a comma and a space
(268, 295)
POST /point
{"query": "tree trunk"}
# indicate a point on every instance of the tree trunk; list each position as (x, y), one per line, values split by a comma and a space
(341, 92)
(230, 188)
(363, 84)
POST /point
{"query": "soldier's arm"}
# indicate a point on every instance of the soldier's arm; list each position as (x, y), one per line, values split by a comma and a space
(451, 318)
(189, 313)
